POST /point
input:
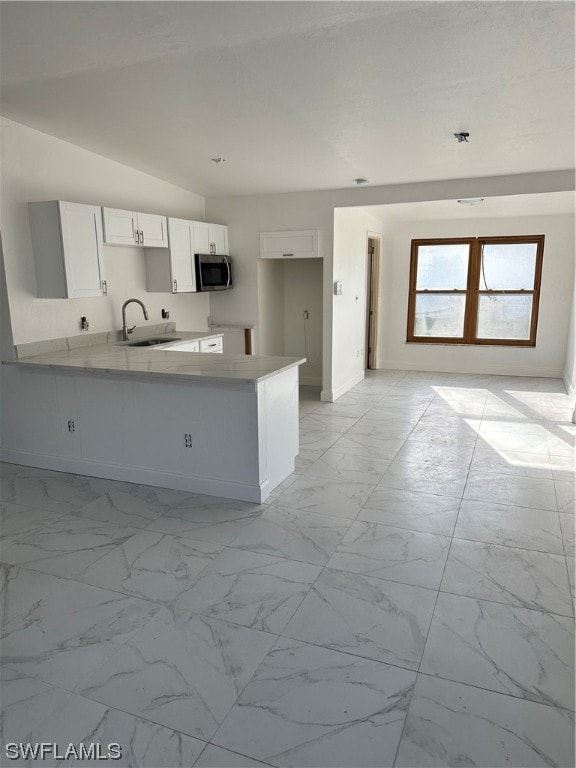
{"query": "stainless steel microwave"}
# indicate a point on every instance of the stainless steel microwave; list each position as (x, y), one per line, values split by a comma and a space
(213, 273)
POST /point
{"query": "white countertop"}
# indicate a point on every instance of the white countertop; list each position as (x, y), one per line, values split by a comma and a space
(118, 358)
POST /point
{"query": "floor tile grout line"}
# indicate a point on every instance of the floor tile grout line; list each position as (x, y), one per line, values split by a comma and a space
(570, 589)
(170, 605)
(278, 636)
(452, 537)
(73, 692)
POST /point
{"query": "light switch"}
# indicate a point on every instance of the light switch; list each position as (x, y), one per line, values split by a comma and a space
(338, 288)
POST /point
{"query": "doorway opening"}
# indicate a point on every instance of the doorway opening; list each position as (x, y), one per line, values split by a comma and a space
(372, 295)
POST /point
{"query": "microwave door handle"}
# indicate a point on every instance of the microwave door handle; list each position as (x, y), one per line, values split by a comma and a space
(228, 268)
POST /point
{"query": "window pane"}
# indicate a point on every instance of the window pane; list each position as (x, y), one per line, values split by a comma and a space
(439, 314)
(504, 317)
(442, 266)
(508, 266)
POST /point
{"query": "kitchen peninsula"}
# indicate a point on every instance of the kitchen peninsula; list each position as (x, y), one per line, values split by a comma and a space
(224, 425)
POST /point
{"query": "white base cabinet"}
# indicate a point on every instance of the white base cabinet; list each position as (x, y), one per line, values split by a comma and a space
(237, 440)
(67, 245)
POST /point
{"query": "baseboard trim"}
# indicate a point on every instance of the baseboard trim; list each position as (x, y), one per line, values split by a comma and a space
(208, 486)
(311, 381)
(491, 370)
(330, 395)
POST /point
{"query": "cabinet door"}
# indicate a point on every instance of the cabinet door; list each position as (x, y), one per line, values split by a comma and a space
(201, 237)
(120, 227)
(218, 236)
(211, 345)
(181, 239)
(42, 415)
(82, 247)
(153, 229)
(301, 244)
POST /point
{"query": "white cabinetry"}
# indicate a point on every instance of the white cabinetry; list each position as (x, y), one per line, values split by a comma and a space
(211, 345)
(67, 245)
(132, 228)
(210, 238)
(298, 244)
(43, 412)
(172, 270)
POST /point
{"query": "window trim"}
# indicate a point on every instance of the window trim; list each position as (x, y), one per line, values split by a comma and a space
(473, 292)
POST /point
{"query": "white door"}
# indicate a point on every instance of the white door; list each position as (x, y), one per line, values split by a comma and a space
(153, 229)
(181, 237)
(219, 239)
(82, 245)
(120, 227)
(201, 237)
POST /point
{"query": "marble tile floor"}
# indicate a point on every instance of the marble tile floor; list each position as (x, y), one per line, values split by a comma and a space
(405, 598)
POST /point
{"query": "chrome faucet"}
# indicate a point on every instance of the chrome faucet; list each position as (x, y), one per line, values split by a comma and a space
(125, 329)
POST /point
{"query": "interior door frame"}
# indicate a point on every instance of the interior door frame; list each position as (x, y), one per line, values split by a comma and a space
(372, 298)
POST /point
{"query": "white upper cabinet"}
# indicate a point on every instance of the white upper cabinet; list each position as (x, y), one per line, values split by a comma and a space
(298, 244)
(219, 239)
(201, 237)
(133, 228)
(120, 227)
(210, 238)
(67, 245)
(181, 250)
(153, 230)
(172, 270)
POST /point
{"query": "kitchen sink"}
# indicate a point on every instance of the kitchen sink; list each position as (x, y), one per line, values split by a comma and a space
(151, 342)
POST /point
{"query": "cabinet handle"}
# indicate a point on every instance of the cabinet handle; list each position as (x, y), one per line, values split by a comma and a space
(286, 255)
(175, 286)
(104, 287)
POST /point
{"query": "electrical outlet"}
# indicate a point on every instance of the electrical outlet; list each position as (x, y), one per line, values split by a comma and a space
(187, 440)
(165, 314)
(84, 323)
(306, 314)
(71, 426)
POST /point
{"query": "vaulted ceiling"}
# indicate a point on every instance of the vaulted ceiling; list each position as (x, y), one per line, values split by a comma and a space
(297, 95)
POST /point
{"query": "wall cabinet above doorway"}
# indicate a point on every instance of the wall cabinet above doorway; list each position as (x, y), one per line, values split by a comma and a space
(298, 244)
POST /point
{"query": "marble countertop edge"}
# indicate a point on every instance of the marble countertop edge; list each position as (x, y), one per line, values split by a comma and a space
(119, 359)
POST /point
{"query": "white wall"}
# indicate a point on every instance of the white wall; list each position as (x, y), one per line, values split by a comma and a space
(36, 166)
(546, 359)
(285, 290)
(351, 228)
(270, 275)
(570, 364)
(303, 292)
(254, 298)
(248, 215)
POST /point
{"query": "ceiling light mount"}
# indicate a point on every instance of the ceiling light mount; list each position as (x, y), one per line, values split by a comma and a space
(361, 181)
(470, 200)
(218, 160)
(462, 136)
